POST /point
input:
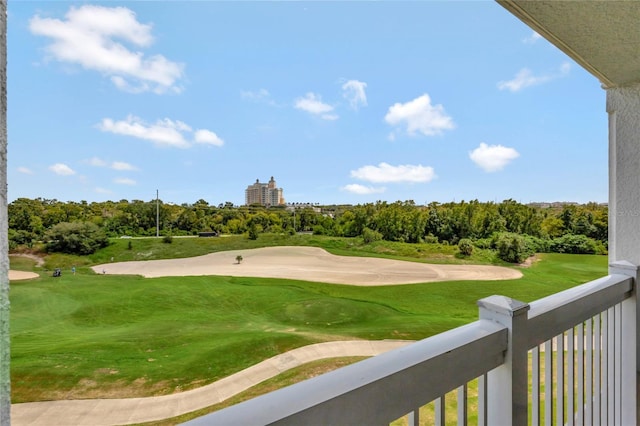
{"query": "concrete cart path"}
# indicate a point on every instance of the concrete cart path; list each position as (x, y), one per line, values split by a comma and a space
(98, 412)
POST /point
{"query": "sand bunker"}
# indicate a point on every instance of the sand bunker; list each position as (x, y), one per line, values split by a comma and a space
(309, 264)
(21, 275)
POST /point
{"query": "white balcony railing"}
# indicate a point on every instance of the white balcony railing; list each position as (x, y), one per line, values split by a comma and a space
(569, 358)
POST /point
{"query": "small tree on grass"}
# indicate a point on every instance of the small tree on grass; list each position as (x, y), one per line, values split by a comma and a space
(238, 259)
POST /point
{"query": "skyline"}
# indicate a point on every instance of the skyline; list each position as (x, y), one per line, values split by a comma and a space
(341, 102)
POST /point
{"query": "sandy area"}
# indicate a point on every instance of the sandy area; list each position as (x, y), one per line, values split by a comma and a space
(309, 264)
(21, 275)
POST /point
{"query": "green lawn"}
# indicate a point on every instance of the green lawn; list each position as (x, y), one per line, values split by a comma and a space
(87, 335)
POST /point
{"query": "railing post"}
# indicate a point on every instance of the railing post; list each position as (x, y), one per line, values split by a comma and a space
(629, 358)
(507, 384)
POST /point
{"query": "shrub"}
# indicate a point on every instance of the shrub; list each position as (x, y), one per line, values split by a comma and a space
(431, 239)
(167, 239)
(370, 235)
(511, 247)
(75, 238)
(465, 246)
(537, 245)
(484, 243)
(575, 244)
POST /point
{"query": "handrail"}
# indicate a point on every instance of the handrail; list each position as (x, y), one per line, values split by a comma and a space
(552, 315)
(379, 389)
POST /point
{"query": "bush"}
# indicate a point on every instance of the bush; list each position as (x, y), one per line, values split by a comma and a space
(431, 239)
(465, 246)
(537, 245)
(167, 239)
(75, 238)
(369, 235)
(574, 244)
(511, 247)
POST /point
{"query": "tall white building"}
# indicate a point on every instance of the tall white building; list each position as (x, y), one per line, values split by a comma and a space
(266, 194)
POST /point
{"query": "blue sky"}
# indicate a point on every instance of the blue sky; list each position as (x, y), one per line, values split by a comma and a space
(341, 102)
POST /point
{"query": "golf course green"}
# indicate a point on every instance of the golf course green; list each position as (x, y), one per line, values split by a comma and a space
(92, 335)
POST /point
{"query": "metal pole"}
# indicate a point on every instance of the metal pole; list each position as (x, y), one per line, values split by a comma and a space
(157, 215)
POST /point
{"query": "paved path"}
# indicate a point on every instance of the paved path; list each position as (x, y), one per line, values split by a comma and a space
(98, 412)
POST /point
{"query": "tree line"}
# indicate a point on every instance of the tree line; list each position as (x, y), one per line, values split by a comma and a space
(566, 228)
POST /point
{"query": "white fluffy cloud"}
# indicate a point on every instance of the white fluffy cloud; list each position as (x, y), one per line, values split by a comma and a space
(313, 104)
(207, 137)
(115, 165)
(122, 166)
(525, 78)
(25, 170)
(124, 181)
(62, 169)
(419, 116)
(91, 36)
(355, 188)
(354, 92)
(384, 172)
(492, 158)
(165, 132)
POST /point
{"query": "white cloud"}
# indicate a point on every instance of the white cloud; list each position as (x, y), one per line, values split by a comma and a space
(387, 173)
(313, 104)
(90, 36)
(62, 169)
(355, 188)
(207, 137)
(163, 133)
(256, 95)
(102, 190)
(492, 158)
(124, 181)
(534, 37)
(525, 78)
(353, 91)
(96, 162)
(25, 170)
(419, 116)
(122, 166)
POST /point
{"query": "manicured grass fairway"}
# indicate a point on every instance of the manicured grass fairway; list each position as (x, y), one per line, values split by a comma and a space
(85, 335)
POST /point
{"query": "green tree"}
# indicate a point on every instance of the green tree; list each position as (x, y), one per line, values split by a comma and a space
(75, 238)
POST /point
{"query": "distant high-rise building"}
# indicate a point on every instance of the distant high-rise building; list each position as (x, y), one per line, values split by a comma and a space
(266, 194)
